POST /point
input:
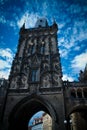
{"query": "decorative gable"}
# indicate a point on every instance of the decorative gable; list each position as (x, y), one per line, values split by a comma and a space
(35, 61)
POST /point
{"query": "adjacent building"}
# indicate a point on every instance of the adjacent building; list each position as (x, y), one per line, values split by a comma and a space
(47, 122)
(78, 121)
(42, 123)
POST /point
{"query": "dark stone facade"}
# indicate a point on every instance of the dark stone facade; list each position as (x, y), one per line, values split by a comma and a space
(35, 82)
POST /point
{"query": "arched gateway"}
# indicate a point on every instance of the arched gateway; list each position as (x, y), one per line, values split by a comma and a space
(35, 82)
(26, 108)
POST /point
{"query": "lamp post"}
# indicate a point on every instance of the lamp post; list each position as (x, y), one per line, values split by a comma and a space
(68, 124)
(65, 123)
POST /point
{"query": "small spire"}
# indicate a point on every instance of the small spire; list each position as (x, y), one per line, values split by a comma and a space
(85, 73)
(23, 25)
(22, 28)
(86, 67)
(54, 21)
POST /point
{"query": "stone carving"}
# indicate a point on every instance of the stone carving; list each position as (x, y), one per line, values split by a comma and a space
(46, 81)
(13, 83)
(24, 81)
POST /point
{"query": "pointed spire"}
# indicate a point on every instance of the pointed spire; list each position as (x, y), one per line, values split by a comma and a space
(54, 23)
(85, 73)
(23, 26)
(86, 67)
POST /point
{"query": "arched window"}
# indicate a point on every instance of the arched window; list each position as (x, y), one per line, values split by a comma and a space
(35, 75)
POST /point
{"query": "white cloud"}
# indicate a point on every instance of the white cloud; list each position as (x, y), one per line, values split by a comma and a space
(7, 54)
(29, 19)
(12, 24)
(2, 19)
(77, 48)
(79, 62)
(74, 33)
(68, 44)
(74, 8)
(82, 35)
(72, 37)
(68, 40)
(63, 53)
(61, 25)
(61, 41)
(4, 64)
(80, 30)
(66, 77)
(45, 7)
(4, 73)
(6, 57)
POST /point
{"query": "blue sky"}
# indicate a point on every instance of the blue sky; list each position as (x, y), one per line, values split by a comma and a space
(36, 115)
(71, 17)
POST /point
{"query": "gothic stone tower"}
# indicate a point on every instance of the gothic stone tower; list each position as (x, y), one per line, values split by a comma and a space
(35, 79)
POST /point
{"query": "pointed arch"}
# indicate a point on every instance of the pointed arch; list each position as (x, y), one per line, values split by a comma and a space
(26, 108)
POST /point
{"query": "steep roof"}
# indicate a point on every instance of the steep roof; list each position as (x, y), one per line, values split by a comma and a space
(41, 22)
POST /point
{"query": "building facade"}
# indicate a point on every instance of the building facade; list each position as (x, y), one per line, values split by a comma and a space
(77, 122)
(47, 122)
(35, 82)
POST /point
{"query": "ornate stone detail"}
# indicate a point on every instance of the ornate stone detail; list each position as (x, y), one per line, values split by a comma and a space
(13, 83)
(23, 81)
(46, 81)
(57, 82)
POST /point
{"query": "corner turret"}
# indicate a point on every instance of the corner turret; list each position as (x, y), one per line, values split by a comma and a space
(83, 75)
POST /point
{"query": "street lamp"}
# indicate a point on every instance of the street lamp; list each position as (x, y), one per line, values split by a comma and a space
(68, 124)
(65, 123)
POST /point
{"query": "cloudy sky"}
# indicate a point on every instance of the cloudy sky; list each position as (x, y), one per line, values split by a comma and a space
(71, 17)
